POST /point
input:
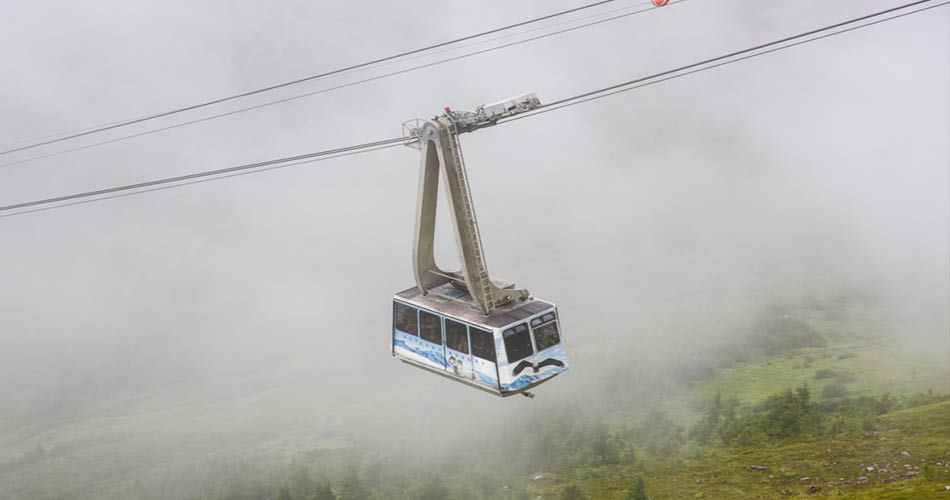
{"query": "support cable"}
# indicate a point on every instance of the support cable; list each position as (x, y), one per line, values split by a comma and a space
(312, 93)
(203, 180)
(301, 80)
(197, 175)
(560, 104)
(724, 59)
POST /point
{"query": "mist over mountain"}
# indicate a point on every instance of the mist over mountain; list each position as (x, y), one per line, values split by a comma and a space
(250, 317)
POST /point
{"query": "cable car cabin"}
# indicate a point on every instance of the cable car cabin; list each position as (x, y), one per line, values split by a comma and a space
(466, 325)
(508, 352)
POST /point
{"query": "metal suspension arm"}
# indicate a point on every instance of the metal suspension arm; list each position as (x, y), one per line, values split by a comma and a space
(439, 144)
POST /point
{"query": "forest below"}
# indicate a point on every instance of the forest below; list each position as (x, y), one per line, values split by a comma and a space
(815, 399)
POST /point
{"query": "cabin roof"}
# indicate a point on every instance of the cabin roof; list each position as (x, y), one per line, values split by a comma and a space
(465, 309)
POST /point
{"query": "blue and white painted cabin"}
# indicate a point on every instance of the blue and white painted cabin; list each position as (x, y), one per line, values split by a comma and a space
(508, 352)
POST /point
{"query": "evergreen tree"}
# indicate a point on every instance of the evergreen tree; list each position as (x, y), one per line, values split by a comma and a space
(631, 456)
(517, 494)
(300, 482)
(434, 489)
(572, 492)
(600, 444)
(789, 414)
(323, 492)
(351, 488)
(714, 411)
(464, 493)
(638, 491)
(729, 425)
(283, 493)
(242, 487)
(728, 430)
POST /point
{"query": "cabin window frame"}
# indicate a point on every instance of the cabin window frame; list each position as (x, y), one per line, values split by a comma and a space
(492, 335)
(557, 325)
(504, 340)
(445, 335)
(441, 324)
(491, 344)
(396, 304)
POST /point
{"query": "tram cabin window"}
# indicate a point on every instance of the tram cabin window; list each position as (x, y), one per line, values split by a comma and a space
(483, 344)
(431, 327)
(456, 336)
(545, 331)
(405, 318)
(518, 343)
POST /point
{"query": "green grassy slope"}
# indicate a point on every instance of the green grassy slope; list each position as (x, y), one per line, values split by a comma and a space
(111, 451)
(865, 368)
(831, 468)
(176, 442)
(863, 356)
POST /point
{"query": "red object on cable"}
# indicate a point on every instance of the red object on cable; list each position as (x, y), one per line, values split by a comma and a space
(660, 3)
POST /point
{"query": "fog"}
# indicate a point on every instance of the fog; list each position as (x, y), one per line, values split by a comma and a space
(662, 221)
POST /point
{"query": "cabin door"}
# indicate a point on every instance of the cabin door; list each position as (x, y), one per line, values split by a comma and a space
(431, 346)
(458, 352)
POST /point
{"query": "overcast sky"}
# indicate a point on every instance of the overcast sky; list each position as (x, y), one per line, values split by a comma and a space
(650, 217)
